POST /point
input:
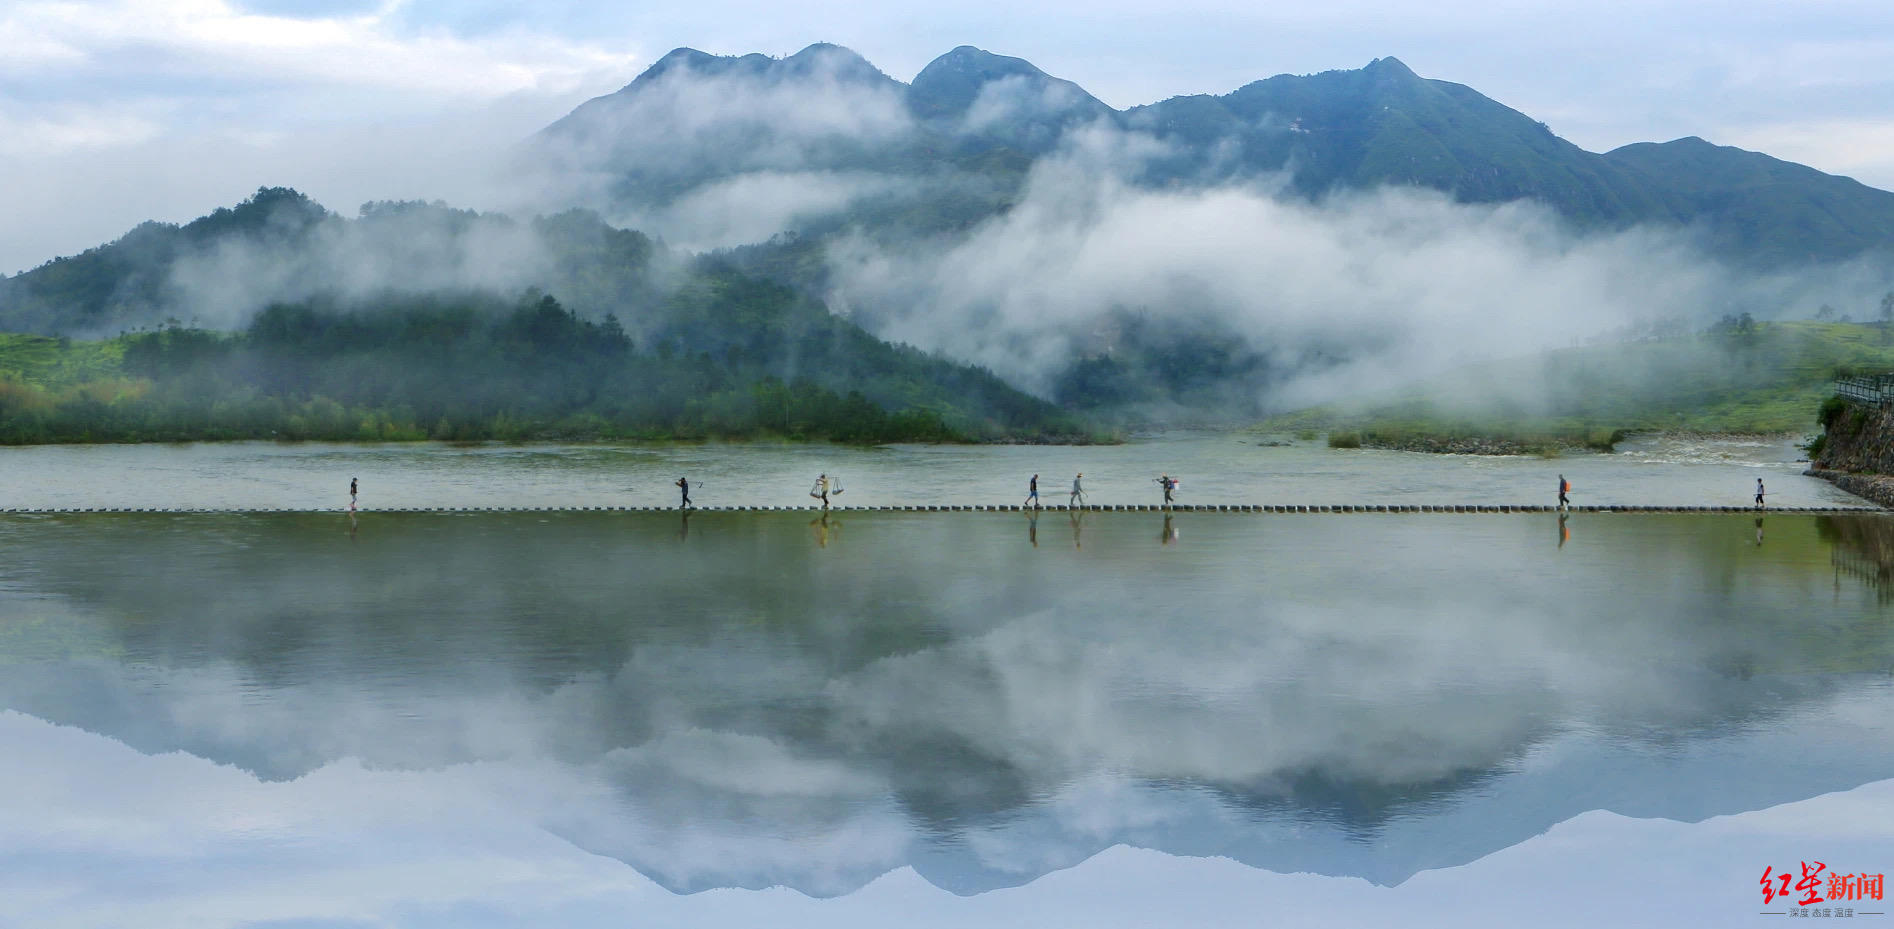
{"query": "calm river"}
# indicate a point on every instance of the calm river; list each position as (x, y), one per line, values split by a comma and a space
(906, 719)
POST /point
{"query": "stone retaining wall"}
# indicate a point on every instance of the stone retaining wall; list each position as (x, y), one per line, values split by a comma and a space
(1877, 488)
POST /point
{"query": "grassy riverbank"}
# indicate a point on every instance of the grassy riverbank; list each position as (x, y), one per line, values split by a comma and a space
(1754, 378)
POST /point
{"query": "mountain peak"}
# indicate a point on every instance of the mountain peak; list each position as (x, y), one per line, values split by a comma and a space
(838, 61)
(950, 85)
(967, 65)
(1390, 67)
(821, 57)
(827, 49)
(680, 58)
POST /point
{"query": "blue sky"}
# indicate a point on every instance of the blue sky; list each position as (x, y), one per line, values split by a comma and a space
(116, 111)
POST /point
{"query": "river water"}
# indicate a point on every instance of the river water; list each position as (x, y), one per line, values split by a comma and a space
(876, 719)
(1214, 468)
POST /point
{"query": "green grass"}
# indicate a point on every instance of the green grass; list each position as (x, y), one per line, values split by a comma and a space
(1770, 380)
(56, 364)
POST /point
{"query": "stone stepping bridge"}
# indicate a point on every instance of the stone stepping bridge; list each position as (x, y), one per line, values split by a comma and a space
(996, 508)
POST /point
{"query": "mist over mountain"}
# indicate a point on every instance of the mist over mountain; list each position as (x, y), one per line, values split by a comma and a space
(1204, 257)
(218, 271)
(459, 324)
(694, 120)
(1297, 236)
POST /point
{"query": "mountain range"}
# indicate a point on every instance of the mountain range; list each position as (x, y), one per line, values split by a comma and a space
(974, 112)
(798, 154)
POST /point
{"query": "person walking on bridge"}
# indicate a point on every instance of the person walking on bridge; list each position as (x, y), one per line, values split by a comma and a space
(821, 490)
(1032, 492)
(1169, 484)
(1759, 493)
(1078, 491)
(684, 485)
(1565, 487)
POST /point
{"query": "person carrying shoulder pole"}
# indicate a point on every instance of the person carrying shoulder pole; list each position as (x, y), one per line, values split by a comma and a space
(1032, 492)
(684, 485)
(1565, 487)
(821, 490)
(1078, 491)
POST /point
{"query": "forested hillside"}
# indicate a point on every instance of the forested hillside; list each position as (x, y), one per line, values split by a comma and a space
(472, 367)
(279, 318)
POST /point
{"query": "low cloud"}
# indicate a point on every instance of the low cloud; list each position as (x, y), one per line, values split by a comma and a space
(1356, 292)
(407, 250)
(685, 126)
(752, 207)
(131, 110)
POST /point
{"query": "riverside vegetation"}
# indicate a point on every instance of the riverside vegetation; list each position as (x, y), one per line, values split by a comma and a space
(476, 368)
(1739, 377)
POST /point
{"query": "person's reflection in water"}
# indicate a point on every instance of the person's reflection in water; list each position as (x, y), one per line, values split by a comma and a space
(1169, 534)
(1078, 525)
(1758, 532)
(822, 529)
(351, 525)
(1032, 527)
(684, 527)
(1565, 534)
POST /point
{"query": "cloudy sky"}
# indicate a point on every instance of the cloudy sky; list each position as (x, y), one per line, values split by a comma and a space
(116, 111)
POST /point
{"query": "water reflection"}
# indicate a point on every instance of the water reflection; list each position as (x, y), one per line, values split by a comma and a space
(1032, 527)
(1168, 534)
(746, 712)
(1565, 532)
(1862, 550)
(823, 527)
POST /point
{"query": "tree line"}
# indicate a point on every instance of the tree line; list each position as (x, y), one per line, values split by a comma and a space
(474, 367)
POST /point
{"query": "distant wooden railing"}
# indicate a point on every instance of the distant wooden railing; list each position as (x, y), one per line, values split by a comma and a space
(1867, 389)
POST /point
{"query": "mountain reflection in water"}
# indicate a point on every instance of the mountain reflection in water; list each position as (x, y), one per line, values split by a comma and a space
(749, 700)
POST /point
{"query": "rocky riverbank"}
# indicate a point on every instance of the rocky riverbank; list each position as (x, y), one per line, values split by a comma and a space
(1875, 488)
(1463, 445)
(1857, 450)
